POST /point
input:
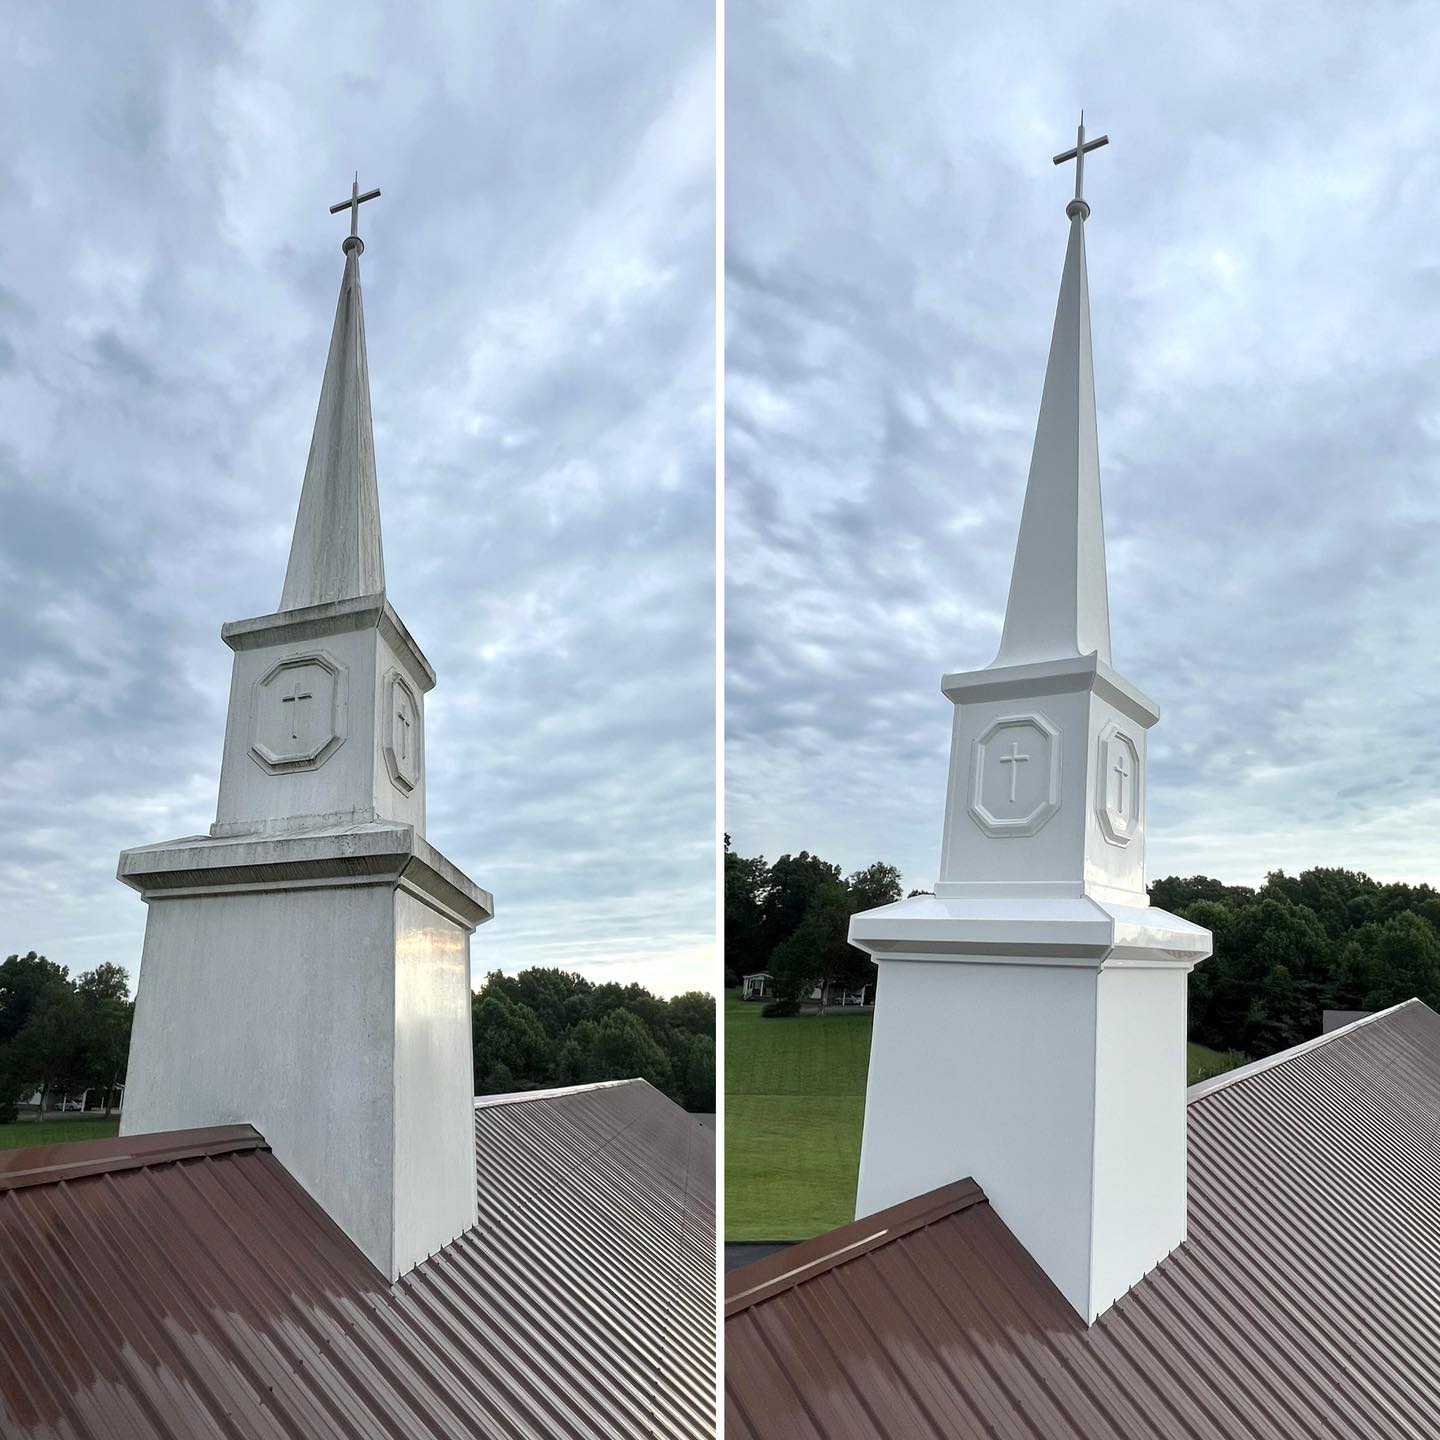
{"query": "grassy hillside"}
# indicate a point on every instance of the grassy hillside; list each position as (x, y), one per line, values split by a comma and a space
(794, 1105)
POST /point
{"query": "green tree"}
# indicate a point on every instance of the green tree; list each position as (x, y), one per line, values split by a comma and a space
(819, 951)
(1240, 998)
(692, 1012)
(747, 881)
(512, 1050)
(107, 1014)
(1340, 899)
(50, 1051)
(23, 979)
(571, 1040)
(551, 994)
(1177, 894)
(698, 1076)
(794, 882)
(623, 1048)
(877, 884)
(1405, 963)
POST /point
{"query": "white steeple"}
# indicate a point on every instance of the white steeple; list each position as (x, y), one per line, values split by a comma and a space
(1058, 602)
(1030, 1017)
(306, 964)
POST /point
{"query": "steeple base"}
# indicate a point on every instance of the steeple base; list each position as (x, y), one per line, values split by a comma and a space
(1037, 1045)
(317, 987)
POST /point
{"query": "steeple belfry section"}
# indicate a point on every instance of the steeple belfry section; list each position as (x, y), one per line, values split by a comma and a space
(336, 552)
(1030, 1014)
(1059, 604)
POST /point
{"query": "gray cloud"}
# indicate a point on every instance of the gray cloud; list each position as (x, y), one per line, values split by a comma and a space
(1263, 269)
(539, 306)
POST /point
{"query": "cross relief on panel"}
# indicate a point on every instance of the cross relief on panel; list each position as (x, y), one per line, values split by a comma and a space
(401, 733)
(1118, 785)
(297, 713)
(1015, 775)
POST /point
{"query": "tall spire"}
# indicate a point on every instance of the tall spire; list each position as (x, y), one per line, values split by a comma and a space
(336, 553)
(1059, 605)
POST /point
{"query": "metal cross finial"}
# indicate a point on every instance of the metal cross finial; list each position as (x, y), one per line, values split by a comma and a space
(353, 205)
(1078, 205)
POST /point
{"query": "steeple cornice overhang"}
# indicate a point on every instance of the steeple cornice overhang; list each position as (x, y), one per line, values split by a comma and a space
(1030, 925)
(378, 853)
(1052, 677)
(312, 622)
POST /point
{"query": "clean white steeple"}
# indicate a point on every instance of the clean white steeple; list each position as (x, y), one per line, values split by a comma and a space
(1058, 601)
(1030, 1015)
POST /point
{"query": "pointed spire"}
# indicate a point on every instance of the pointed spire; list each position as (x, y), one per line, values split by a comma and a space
(1059, 605)
(336, 552)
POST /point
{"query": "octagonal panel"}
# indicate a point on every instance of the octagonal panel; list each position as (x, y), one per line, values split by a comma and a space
(1117, 788)
(403, 740)
(1015, 775)
(297, 713)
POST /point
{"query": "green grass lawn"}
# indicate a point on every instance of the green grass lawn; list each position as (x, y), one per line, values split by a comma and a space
(794, 1106)
(794, 1102)
(56, 1132)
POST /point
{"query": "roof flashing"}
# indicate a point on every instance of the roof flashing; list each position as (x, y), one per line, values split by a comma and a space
(764, 1279)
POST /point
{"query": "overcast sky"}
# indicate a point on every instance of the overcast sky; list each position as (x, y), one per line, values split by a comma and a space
(1264, 261)
(540, 313)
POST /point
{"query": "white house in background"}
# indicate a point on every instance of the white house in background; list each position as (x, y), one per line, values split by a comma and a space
(761, 986)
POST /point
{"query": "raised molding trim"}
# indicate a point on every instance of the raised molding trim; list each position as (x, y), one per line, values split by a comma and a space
(1118, 824)
(284, 763)
(1003, 827)
(404, 754)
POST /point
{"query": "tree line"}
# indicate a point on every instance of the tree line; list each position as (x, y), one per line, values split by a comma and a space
(61, 1036)
(1296, 946)
(1285, 951)
(534, 1030)
(544, 1028)
(791, 917)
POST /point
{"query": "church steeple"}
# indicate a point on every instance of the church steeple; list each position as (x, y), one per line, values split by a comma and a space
(314, 944)
(1030, 1026)
(1059, 606)
(336, 552)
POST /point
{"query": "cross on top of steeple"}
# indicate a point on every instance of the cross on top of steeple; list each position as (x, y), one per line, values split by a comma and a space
(1082, 147)
(353, 204)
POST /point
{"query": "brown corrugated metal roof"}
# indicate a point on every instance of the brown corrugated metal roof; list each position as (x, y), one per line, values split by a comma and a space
(185, 1286)
(1306, 1301)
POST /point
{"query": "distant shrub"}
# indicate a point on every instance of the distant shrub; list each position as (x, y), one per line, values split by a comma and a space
(778, 1009)
(8, 1113)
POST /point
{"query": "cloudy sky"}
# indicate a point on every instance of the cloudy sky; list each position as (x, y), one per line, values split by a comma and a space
(540, 313)
(1265, 282)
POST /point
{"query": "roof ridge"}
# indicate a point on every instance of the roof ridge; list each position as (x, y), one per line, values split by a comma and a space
(73, 1159)
(1204, 1088)
(783, 1271)
(515, 1097)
